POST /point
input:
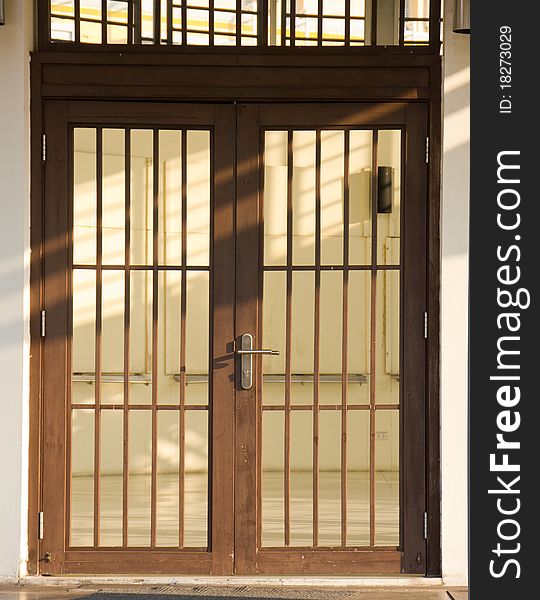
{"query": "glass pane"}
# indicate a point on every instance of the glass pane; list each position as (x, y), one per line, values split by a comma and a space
(274, 336)
(170, 198)
(332, 174)
(82, 478)
(196, 479)
(301, 479)
(169, 322)
(304, 181)
(417, 22)
(62, 30)
(331, 335)
(388, 22)
(113, 212)
(140, 388)
(83, 349)
(388, 338)
(140, 477)
(91, 32)
(358, 488)
(112, 337)
(63, 7)
(359, 335)
(168, 469)
(387, 478)
(198, 198)
(142, 175)
(111, 469)
(302, 337)
(389, 197)
(329, 478)
(84, 197)
(275, 198)
(197, 323)
(91, 9)
(360, 166)
(272, 493)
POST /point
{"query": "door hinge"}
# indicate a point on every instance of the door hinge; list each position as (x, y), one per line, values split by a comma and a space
(44, 147)
(425, 326)
(40, 525)
(425, 526)
(427, 150)
(43, 323)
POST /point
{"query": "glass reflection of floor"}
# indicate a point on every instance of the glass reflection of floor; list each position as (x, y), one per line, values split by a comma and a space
(195, 513)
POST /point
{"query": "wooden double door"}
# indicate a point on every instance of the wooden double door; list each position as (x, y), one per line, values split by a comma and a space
(234, 359)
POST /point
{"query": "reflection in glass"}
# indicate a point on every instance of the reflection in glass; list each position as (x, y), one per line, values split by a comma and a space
(360, 168)
(389, 221)
(332, 174)
(329, 478)
(196, 479)
(272, 493)
(84, 196)
(83, 349)
(170, 197)
(113, 189)
(301, 479)
(302, 336)
(82, 478)
(387, 478)
(168, 469)
(331, 329)
(111, 469)
(388, 338)
(139, 477)
(304, 181)
(198, 198)
(112, 337)
(197, 323)
(140, 388)
(142, 174)
(274, 336)
(169, 320)
(358, 488)
(275, 198)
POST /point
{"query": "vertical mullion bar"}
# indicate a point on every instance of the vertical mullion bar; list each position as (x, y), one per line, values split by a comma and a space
(288, 341)
(374, 22)
(211, 20)
(137, 21)
(157, 23)
(104, 20)
(347, 22)
(97, 410)
(316, 340)
(320, 12)
(183, 305)
(344, 337)
(401, 22)
(283, 23)
(263, 16)
(169, 22)
(130, 21)
(293, 22)
(373, 333)
(77, 21)
(184, 26)
(127, 324)
(238, 22)
(155, 300)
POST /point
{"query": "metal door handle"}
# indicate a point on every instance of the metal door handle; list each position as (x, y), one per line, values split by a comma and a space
(246, 353)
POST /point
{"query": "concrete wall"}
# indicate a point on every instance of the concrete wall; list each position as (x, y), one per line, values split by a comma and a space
(16, 39)
(455, 254)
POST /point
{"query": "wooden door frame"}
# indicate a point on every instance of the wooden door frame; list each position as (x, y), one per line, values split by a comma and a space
(218, 560)
(101, 76)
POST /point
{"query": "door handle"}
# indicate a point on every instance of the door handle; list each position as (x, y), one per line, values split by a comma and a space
(246, 353)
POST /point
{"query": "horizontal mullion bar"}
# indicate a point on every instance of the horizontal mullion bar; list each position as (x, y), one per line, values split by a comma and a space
(337, 268)
(148, 407)
(338, 407)
(140, 268)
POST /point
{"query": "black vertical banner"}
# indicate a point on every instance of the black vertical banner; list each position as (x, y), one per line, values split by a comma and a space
(504, 435)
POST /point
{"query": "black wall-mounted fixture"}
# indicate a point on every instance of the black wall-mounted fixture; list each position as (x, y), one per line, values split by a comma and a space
(385, 189)
(462, 16)
(2, 13)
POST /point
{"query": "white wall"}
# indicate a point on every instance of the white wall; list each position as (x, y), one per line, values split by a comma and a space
(15, 43)
(454, 323)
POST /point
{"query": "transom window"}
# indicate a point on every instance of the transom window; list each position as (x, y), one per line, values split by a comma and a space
(241, 22)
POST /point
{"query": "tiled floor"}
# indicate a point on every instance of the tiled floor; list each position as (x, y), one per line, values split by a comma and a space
(139, 494)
